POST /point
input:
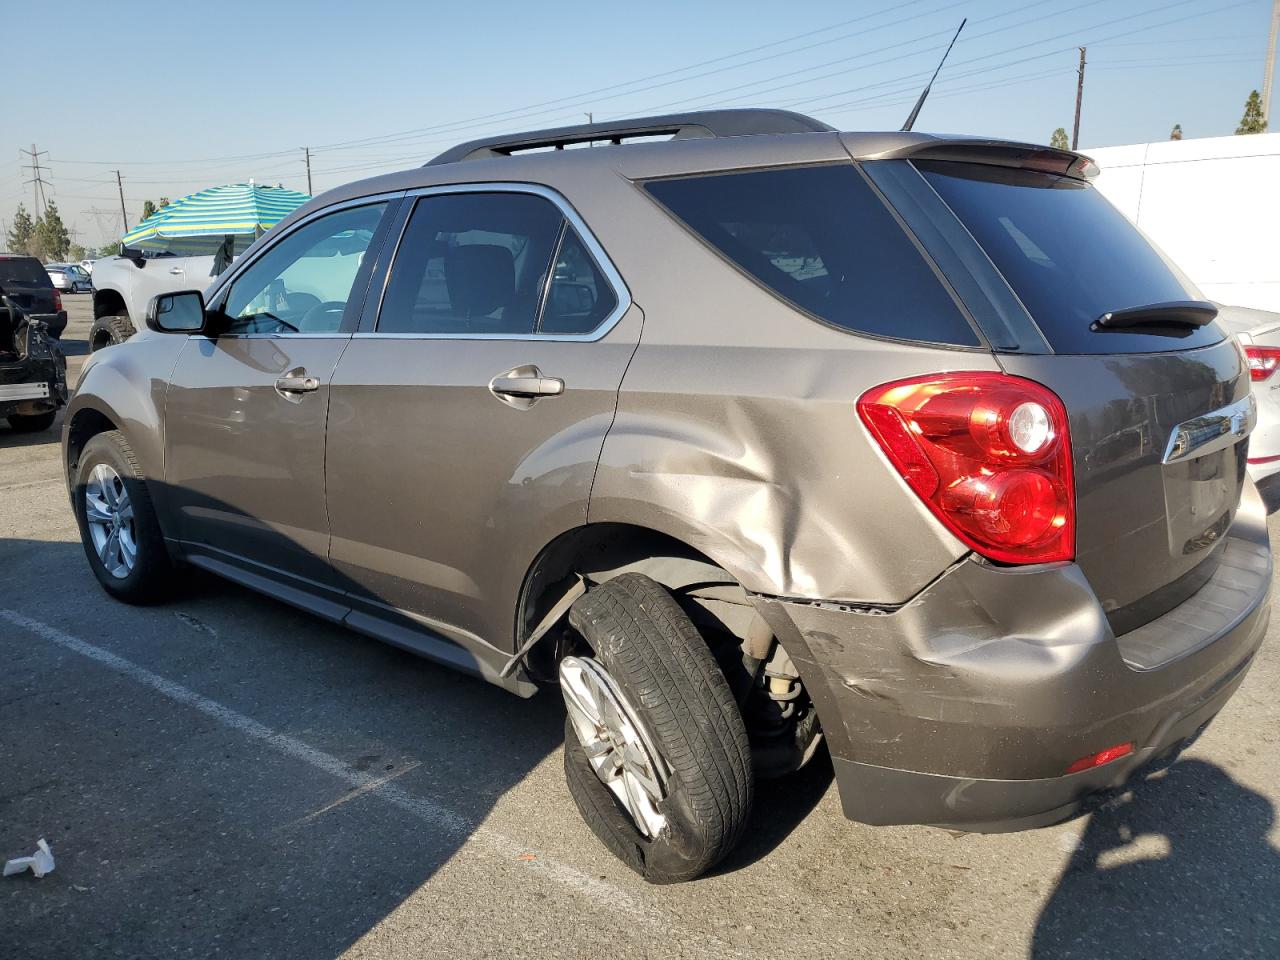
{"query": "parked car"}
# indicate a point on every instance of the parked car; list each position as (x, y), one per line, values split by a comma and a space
(31, 290)
(123, 285)
(1259, 333)
(68, 277)
(33, 370)
(758, 437)
(87, 266)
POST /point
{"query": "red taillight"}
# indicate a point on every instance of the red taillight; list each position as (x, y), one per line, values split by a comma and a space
(57, 300)
(1101, 757)
(988, 453)
(1262, 361)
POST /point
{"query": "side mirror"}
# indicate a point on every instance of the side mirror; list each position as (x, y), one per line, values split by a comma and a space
(134, 255)
(181, 312)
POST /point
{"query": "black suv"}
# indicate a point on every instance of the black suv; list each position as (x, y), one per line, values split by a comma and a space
(27, 284)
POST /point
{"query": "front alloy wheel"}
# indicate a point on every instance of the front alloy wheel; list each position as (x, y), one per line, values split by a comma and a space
(110, 517)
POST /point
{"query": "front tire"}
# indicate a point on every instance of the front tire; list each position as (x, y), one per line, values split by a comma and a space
(108, 331)
(656, 753)
(118, 526)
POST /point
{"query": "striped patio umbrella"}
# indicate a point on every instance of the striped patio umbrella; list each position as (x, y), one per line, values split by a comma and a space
(200, 223)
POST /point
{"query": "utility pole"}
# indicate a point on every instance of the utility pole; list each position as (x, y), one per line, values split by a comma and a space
(307, 154)
(1075, 132)
(37, 178)
(123, 212)
(1270, 72)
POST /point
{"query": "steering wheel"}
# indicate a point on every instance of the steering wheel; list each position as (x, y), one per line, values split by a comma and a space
(322, 312)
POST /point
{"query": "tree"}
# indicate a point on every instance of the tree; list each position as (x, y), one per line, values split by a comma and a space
(77, 253)
(1176, 132)
(50, 241)
(20, 234)
(1059, 140)
(148, 208)
(1252, 121)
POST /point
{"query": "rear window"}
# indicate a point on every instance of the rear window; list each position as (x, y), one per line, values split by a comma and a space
(1067, 253)
(822, 240)
(26, 271)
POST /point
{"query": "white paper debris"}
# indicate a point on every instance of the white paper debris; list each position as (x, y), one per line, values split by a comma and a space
(40, 862)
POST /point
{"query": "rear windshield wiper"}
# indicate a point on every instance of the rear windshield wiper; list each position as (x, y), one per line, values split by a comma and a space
(1173, 313)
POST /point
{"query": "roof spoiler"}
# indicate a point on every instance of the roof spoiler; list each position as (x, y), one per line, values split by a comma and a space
(1001, 153)
(678, 126)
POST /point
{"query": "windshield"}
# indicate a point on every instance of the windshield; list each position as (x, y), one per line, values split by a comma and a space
(1067, 253)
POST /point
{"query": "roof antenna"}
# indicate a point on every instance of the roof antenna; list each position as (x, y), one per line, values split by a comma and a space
(915, 111)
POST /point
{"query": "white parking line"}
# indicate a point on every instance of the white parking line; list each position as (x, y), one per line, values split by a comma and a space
(441, 818)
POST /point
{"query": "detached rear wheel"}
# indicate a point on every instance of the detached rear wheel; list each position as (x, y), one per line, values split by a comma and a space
(656, 753)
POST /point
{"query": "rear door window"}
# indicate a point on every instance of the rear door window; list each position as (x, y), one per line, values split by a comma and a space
(1068, 254)
(821, 239)
(472, 264)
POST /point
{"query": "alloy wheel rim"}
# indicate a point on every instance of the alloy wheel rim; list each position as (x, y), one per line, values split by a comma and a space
(614, 739)
(109, 513)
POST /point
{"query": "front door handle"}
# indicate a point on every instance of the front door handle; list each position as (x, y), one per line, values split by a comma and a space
(295, 383)
(177, 271)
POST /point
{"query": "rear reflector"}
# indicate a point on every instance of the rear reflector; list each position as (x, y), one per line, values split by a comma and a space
(988, 453)
(1262, 362)
(1101, 757)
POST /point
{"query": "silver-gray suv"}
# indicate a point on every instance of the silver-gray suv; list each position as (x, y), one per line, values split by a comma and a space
(749, 435)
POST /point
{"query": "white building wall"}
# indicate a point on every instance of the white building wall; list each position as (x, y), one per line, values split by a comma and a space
(1213, 205)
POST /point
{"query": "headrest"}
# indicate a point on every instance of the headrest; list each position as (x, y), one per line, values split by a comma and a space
(480, 277)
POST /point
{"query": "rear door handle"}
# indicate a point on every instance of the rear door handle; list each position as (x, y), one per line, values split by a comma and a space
(527, 386)
(523, 386)
(177, 271)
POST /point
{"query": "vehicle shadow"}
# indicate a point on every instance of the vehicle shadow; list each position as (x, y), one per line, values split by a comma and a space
(1181, 866)
(12, 439)
(1269, 490)
(779, 807)
(308, 786)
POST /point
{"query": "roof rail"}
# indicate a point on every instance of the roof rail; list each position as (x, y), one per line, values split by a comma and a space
(680, 126)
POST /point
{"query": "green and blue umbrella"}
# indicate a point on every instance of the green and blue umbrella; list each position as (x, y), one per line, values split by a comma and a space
(202, 222)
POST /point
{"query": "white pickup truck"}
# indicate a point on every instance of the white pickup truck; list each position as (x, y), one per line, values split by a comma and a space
(123, 286)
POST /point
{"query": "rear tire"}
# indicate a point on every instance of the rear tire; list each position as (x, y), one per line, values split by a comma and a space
(108, 331)
(148, 574)
(32, 422)
(674, 692)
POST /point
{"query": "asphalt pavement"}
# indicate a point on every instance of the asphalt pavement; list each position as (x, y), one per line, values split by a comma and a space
(225, 776)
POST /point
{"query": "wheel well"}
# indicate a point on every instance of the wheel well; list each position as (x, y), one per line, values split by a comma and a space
(108, 303)
(86, 425)
(599, 552)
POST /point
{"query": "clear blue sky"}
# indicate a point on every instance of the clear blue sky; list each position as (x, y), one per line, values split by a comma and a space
(180, 96)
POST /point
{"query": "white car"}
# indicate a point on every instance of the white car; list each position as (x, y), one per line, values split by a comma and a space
(1259, 334)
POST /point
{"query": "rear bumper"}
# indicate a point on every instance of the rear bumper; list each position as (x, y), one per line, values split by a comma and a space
(32, 387)
(965, 706)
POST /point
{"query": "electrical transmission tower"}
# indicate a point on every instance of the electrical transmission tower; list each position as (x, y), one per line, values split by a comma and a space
(37, 180)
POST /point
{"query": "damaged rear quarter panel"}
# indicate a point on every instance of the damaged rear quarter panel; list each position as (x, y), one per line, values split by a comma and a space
(737, 432)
